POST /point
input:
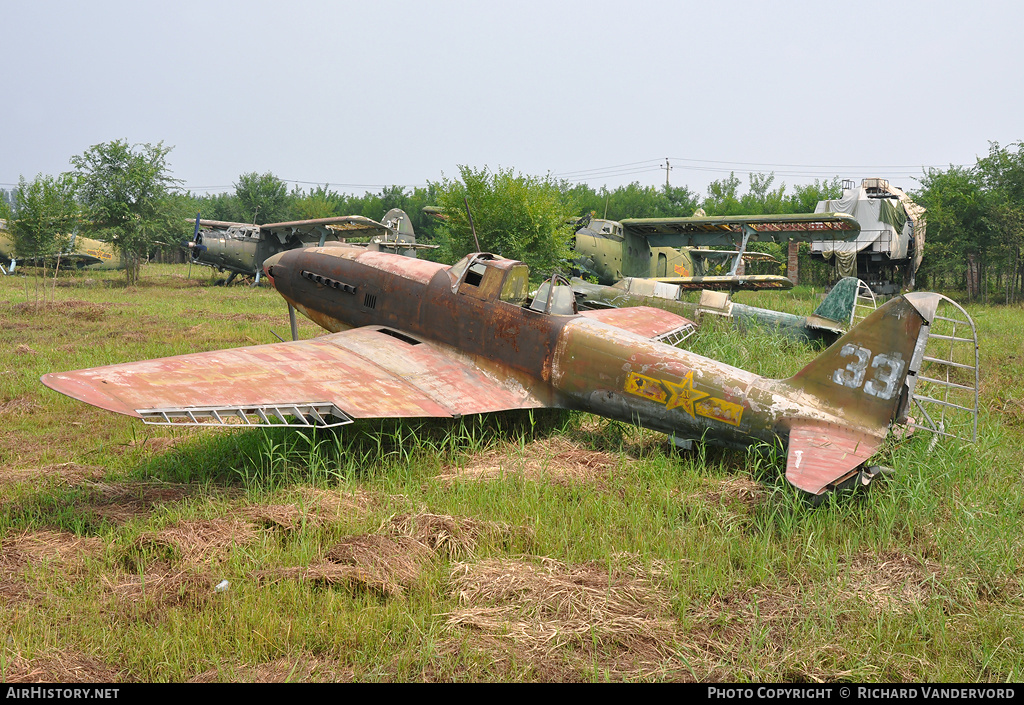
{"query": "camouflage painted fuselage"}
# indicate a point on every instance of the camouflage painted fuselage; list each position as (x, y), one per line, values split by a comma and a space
(601, 361)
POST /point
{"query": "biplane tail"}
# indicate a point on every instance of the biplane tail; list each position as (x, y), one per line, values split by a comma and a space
(867, 378)
(399, 223)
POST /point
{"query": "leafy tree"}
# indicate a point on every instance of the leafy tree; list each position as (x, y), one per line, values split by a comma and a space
(320, 202)
(41, 218)
(761, 198)
(723, 197)
(520, 217)
(44, 216)
(124, 189)
(262, 198)
(218, 206)
(804, 199)
(959, 224)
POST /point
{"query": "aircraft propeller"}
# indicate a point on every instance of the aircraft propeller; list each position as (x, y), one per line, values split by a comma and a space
(196, 243)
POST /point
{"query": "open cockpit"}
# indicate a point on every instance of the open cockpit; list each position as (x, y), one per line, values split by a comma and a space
(488, 277)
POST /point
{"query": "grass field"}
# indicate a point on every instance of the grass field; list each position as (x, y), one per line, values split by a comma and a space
(520, 547)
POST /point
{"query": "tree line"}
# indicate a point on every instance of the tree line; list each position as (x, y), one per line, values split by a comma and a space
(125, 194)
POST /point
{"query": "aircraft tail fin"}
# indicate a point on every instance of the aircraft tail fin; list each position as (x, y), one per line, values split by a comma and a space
(867, 378)
(848, 303)
(867, 373)
(398, 221)
(838, 305)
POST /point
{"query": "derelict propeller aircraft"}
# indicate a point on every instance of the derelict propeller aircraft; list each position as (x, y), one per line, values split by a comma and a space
(82, 252)
(241, 248)
(412, 338)
(672, 250)
(849, 300)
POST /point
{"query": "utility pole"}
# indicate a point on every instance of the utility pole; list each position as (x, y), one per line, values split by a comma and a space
(667, 167)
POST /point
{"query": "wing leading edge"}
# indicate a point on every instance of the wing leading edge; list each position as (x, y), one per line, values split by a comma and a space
(370, 372)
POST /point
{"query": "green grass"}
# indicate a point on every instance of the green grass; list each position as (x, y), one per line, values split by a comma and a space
(622, 558)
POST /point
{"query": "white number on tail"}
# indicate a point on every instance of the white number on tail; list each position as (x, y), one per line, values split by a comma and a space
(853, 375)
(888, 369)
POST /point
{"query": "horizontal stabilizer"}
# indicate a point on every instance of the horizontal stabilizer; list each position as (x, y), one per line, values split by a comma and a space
(822, 456)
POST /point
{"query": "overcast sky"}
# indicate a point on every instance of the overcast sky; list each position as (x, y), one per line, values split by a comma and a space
(364, 94)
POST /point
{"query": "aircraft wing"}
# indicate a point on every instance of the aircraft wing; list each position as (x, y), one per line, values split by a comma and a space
(649, 322)
(738, 282)
(729, 254)
(726, 230)
(369, 372)
(343, 225)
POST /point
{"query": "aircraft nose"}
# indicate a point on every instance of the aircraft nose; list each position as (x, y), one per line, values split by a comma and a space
(268, 265)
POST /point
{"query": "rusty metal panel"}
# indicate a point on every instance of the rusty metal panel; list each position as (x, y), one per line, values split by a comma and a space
(366, 373)
(826, 454)
(642, 320)
(419, 270)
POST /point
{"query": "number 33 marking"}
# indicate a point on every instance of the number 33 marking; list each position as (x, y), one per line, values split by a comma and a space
(888, 369)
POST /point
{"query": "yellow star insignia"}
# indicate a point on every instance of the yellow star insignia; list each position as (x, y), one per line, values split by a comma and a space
(683, 394)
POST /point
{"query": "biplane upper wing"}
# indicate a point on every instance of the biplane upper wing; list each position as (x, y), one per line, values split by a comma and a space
(370, 372)
(726, 230)
(315, 229)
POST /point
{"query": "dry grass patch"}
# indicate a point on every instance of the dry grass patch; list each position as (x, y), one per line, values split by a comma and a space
(58, 551)
(760, 623)
(122, 502)
(62, 667)
(380, 564)
(282, 670)
(455, 537)
(196, 541)
(734, 492)
(556, 459)
(735, 498)
(46, 546)
(68, 473)
(23, 404)
(544, 605)
(157, 591)
(73, 308)
(890, 582)
(317, 507)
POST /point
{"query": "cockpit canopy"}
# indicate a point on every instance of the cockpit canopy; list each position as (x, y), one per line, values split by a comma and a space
(485, 276)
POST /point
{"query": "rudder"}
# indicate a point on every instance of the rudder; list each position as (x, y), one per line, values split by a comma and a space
(863, 375)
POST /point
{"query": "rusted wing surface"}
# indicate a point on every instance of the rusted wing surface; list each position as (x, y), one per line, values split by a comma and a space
(642, 320)
(368, 372)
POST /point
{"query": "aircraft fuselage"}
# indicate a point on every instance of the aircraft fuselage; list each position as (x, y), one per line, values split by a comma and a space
(569, 361)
